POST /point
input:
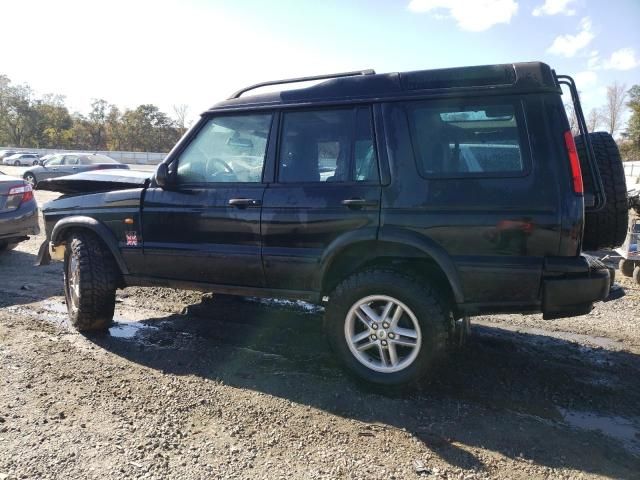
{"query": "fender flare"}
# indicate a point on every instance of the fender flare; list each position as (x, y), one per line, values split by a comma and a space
(429, 248)
(423, 246)
(99, 228)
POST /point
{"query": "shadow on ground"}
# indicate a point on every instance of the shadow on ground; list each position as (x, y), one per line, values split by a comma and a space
(23, 282)
(516, 394)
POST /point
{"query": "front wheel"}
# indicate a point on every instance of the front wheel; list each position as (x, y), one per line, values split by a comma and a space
(30, 178)
(90, 280)
(387, 328)
(17, 163)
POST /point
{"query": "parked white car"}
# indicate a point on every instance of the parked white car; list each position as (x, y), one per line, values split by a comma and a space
(22, 159)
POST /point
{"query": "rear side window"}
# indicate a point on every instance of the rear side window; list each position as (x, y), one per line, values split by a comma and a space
(453, 139)
(330, 145)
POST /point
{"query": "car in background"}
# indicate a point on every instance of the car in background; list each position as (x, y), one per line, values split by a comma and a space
(21, 158)
(18, 212)
(6, 153)
(69, 163)
(44, 158)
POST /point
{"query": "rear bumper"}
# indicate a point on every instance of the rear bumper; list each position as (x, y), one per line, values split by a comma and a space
(20, 223)
(571, 285)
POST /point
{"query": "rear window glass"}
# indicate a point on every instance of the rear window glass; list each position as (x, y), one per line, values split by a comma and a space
(98, 159)
(466, 140)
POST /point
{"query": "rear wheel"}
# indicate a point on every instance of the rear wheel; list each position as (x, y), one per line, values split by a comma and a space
(626, 267)
(35, 162)
(606, 228)
(387, 328)
(90, 280)
(636, 274)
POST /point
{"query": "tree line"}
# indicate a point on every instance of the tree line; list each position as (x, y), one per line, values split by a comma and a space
(610, 117)
(45, 122)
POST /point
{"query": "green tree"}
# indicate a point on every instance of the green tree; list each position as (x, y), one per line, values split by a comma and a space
(148, 129)
(54, 122)
(97, 124)
(19, 116)
(631, 147)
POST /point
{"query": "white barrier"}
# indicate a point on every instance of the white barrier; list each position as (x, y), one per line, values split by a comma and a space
(136, 158)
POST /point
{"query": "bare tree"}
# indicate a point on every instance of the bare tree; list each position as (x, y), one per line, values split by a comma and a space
(573, 119)
(614, 108)
(594, 119)
(180, 113)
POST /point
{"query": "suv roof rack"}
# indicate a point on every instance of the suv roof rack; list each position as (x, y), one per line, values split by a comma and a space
(302, 79)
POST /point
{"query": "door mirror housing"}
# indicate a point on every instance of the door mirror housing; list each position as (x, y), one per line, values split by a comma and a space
(162, 175)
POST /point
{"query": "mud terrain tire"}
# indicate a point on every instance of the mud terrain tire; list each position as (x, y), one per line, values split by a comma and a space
(90, 282)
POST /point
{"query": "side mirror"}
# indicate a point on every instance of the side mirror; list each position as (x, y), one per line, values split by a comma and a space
(162, 175)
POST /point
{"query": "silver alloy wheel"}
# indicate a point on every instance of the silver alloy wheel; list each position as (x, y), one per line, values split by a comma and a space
(74, 281)
(383, 333)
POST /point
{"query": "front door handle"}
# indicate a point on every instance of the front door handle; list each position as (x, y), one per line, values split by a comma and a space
(244, 202)
(359, 202)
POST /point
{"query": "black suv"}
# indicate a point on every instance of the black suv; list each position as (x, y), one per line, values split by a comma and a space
(404, 202)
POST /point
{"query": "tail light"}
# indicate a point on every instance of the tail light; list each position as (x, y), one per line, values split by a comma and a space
(574, 162)
(18, 195)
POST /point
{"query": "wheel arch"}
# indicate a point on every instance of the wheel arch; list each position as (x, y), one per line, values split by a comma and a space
(421, 255)
(65, 225)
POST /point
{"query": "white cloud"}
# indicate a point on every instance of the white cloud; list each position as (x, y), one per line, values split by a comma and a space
(471, 15)
(554, 7)
(586, 79)
(594, 62)
(568, 45)
(623, 59)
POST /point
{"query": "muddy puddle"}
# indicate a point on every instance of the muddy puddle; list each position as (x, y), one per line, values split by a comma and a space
(625, 430)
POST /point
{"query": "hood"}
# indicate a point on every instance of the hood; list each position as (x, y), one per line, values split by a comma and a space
(96, 181)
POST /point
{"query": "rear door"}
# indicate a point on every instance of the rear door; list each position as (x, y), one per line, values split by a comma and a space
(206, 226)
(480, 184)
(327, 186)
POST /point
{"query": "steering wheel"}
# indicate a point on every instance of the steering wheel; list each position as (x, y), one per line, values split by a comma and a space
(217, 168)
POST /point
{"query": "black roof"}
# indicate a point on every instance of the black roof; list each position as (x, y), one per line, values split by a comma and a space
(525, 77)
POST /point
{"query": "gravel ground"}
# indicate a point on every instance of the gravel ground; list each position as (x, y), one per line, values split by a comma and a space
(193, 386)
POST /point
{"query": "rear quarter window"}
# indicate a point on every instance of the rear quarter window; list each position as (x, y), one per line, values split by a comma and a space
(457, 138)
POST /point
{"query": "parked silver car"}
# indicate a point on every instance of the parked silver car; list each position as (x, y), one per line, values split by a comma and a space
(22, 158)
(6, 153)
(69, 163)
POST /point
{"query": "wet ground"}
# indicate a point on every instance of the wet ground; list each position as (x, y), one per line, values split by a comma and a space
(187, 385)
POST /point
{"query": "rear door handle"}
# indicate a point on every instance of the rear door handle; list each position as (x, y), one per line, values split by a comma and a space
(244, 202)
(359, 202)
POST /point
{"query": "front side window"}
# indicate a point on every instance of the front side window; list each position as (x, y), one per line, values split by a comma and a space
(226, 149)
(466, 140)
(331, 145)
(71, 160)
(53, 161)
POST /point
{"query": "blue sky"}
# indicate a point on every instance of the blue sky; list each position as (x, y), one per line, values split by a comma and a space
(198, 52)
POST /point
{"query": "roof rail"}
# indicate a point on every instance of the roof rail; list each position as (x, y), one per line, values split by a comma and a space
(302, 79)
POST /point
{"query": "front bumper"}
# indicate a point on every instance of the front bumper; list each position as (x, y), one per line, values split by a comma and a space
(572, 284)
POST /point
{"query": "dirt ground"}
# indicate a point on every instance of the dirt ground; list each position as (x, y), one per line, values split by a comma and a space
(195, 386)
